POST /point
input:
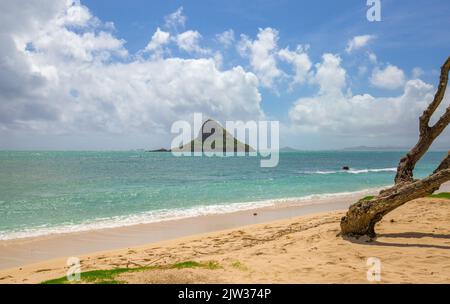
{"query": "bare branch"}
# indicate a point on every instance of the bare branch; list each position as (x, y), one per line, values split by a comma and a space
(405, 170)
(443, 81)
(445, 164)
(362, 217)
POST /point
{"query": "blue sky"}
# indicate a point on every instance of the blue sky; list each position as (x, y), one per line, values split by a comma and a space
(389, 60)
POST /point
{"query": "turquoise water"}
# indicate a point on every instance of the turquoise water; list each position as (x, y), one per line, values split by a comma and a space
(47, 192)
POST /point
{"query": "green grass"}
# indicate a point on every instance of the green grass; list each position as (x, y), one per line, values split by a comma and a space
(368, 198)
(213, 266)
(187, 264)
(240, 266)
(109, 276)
(192, 264)
(99, 276)
(441, 195)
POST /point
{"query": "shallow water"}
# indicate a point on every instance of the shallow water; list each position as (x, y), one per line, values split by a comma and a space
(47, 192)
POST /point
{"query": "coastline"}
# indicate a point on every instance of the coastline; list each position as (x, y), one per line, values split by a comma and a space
(34, 260)
(412, 246)
(23, 251)
(168, 215)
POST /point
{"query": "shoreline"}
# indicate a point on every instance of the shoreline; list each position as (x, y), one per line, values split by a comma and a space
(30, 250)
(166, 215)
(412, 245)
(38, 259)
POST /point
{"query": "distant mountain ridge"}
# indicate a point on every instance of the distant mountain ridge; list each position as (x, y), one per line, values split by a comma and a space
(366, 148)
(288, 149)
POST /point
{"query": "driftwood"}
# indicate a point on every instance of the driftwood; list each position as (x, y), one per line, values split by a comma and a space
(362, 217)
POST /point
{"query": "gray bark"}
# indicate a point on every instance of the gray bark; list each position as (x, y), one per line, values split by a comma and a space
(362, 217)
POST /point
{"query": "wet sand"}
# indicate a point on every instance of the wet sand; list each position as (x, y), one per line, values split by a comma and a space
(295, 244)
(32, 250)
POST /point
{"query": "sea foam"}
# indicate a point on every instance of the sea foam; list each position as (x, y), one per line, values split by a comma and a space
(173, 214)
(351, 171)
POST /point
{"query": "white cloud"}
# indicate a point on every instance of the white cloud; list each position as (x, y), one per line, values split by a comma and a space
(60, 80)
(157, 43)
(159, 39)
(78, 15)
(176, 20)
(372, 57)
(262, 52)
(330, 76)
(189, 41)
(417, 72)
(358, 42)
(300, 60)
(226, 38)
(333, 110)
(389, 78)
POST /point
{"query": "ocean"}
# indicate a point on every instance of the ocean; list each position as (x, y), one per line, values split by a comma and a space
(58, 192)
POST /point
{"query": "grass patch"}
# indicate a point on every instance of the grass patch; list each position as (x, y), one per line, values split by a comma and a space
(240, 266)
(368, 198)
(98, 276)
(213, 266)
(445, 195)
(193, 264)
(109, 276)
(187, 264)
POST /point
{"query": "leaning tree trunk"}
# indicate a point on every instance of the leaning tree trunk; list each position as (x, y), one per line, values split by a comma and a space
(362, 217)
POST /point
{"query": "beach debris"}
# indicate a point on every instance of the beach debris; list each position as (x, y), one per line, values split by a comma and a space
(255, 214)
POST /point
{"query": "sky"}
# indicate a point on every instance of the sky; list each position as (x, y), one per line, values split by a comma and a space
(115, 75)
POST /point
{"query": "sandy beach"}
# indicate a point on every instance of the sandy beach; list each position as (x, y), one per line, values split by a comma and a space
(19, 252)
(413, 246)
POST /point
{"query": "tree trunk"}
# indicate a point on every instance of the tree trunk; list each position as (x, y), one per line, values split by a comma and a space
(362, 217)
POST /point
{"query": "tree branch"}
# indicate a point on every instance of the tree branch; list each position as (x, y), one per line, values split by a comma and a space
(405, 170)
(362, 217)
(443, 81)
(445, 164)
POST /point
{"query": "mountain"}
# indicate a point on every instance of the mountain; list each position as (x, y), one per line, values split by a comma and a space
(365, 148)
(219, 139)
(288, 149)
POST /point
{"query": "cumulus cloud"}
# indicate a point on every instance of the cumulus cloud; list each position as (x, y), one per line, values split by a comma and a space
(299, 60)
(358, 42)
(57, 76)
(64, 71)
(159, 39)
(226, 38)
(417, 72)
(175, 20)
(189, 41)
(330, 76)
(334, 110)
(262, 53)
(390, 78)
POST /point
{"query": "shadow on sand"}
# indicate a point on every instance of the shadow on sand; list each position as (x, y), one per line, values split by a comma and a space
(404, 235)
